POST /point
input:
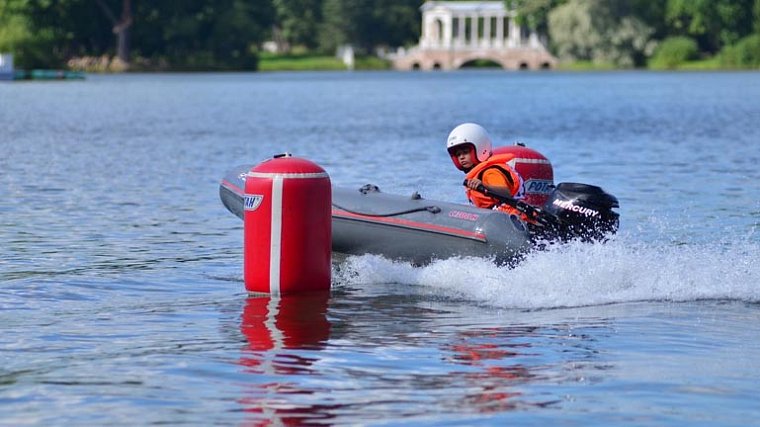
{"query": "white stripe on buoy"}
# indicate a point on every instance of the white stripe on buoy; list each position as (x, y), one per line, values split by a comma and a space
(275, 248)
(524, 160)
(288, 175)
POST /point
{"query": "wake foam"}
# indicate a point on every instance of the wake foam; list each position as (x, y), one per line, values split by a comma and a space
(580, 274)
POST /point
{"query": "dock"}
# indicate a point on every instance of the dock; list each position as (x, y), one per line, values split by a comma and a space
(8, 73)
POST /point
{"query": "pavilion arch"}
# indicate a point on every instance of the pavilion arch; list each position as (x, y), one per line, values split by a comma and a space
(467, 59)
(492, 63)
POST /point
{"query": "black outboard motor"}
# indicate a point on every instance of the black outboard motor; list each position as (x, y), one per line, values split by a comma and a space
(582, 211)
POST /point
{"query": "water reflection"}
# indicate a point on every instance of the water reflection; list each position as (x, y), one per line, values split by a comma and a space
(496, 357)
(295, 371)
(282, 334)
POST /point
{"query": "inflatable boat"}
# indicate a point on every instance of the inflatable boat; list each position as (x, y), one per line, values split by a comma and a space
(418, 230)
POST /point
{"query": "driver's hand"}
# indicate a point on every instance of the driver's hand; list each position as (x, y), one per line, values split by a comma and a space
(474, 183)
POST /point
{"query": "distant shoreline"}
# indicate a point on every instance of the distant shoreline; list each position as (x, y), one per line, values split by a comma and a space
(314, 62)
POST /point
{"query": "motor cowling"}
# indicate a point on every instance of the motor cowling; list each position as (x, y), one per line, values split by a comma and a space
(582, 211)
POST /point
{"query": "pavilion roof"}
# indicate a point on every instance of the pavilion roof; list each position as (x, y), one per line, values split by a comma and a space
(465, 6)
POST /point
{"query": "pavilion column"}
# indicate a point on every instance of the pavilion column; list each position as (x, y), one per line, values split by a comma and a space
(500, 30)
(424, 37)
(487, 31)
(533, 40)
(514, 34)
(447, 31)
(435, 32)
(461, 35)
(474, 30)
(422, 32)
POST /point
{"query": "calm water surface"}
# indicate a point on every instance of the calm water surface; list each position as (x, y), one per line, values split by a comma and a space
(121, 294)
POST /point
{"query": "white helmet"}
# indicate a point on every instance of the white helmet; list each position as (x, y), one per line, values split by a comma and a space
(472, 134)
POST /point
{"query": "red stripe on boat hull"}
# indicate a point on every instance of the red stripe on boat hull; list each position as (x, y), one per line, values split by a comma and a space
(415, 225)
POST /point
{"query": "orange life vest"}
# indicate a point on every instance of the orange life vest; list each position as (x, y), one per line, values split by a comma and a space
(499, 164)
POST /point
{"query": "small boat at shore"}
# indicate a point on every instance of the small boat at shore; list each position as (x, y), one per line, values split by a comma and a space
(48, 75)
(417, 230)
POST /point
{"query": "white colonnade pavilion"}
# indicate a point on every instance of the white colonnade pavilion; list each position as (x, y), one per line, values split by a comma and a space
(457, 24)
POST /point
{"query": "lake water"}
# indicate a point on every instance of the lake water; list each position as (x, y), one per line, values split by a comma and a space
(121, 293)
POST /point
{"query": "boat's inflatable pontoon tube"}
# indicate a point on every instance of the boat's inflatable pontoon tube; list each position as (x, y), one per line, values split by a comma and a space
(410, 229)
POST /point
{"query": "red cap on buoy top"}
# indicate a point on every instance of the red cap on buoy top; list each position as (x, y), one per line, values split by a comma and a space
(534, 168)
(287, 225)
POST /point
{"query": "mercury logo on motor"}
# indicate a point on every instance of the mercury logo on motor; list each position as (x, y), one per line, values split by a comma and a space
(567, 205)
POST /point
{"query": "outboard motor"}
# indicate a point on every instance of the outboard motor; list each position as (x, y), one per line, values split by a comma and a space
(583, 211)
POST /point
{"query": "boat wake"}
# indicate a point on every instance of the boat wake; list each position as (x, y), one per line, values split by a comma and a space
(579, 274)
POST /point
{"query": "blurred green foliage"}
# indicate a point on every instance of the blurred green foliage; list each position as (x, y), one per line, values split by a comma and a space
(599, 31)
(673, 52)
(744, 54)
(230, 34)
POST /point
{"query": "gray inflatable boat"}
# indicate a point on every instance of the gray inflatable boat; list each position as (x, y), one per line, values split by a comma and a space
(417, 230)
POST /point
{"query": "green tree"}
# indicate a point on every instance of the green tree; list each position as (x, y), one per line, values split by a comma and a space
(673, 52)
(65, 28)
(600, 31)
(200, 34)
(15, 34)
(744, 54)
(367, 24)
(713, 23)
(203, 34)
(121, 26)
(335, 26)
(298, 20)
(534, 13)
(398, 22)
(652, 13)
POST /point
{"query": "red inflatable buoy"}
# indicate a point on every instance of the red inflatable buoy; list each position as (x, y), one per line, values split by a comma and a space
(287, 225)
(534, 168)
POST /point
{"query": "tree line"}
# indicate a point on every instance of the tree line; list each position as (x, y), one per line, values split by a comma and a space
(197, 34)
(229, 34)
(660, 33)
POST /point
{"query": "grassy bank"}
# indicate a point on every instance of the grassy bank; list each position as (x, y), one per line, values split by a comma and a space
(710, 64)
(586, 66)
(311, 62)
